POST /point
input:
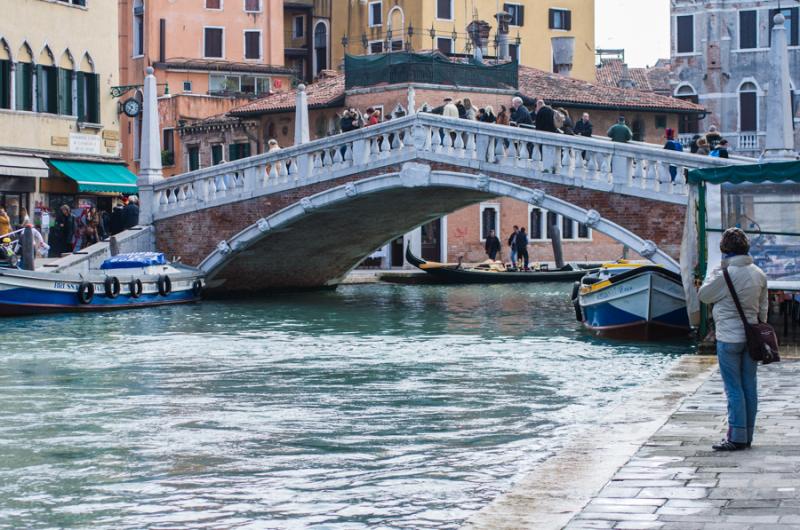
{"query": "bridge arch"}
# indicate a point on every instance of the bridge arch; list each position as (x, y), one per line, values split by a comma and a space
(414, 183)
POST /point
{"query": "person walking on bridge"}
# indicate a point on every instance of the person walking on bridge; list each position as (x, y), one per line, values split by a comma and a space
(492, 245)
(620, 132)
(737, 368)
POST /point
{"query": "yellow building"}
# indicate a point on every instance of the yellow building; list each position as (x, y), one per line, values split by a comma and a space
(374, 26)
(58, 62)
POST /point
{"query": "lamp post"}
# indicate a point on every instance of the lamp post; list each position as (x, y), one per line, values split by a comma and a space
(410, 35)
(432, 33)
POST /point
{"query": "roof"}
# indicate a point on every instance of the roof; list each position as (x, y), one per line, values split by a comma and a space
(559, 90)
(327, 92)
(653, 79)
(217, 65)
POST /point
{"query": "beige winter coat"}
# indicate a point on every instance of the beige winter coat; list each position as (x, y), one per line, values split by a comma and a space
(750, 283)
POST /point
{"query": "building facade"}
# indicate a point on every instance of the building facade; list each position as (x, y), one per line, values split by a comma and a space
(720, 58)
(373, 26)
(209, 56)
(55, 104)
(307, 36)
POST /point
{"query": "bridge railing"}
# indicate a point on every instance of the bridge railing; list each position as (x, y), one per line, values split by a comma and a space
(632, 169)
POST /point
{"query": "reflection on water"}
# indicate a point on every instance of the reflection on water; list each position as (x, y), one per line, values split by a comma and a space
(371, 406)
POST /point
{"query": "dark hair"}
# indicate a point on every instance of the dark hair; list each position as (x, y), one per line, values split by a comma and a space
(734, 241)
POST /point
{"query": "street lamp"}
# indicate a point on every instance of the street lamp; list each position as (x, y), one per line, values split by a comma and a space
(364, 41)
(432, 33)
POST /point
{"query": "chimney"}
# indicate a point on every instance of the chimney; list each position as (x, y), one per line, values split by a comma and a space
(625, 80)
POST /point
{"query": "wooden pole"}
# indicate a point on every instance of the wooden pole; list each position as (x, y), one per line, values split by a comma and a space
(28, 254)
(558, 253)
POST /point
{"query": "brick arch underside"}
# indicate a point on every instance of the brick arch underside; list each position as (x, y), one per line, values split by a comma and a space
(319, 247)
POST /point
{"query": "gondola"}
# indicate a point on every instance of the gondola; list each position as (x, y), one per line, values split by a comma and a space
(492, 272)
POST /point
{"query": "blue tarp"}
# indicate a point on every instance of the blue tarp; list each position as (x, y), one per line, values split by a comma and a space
(134, 260)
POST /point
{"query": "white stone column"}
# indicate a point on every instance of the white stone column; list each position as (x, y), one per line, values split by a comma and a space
(301, 133)
(780, 135)
(412, 101)
(150, 157)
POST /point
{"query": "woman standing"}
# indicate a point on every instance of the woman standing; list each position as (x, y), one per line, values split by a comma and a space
(502, 116)
(737, 368)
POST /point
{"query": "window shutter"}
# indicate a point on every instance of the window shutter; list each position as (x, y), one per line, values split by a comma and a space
(5, 79)
(41, 88)
(521, 15)
(551, 19)
(747, 29)
(81, 96)
(246, 150)
(95, 101)
(793, 38)
(568, 20)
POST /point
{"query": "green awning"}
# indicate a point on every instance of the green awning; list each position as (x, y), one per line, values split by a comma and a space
(755, 173)
(98, 176)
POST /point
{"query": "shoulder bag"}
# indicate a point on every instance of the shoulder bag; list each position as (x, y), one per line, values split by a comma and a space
(762, 342)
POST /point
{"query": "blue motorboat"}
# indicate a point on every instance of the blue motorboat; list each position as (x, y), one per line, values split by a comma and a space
(125, 281)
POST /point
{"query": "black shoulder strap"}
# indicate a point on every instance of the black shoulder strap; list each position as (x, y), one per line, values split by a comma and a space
(734, 295)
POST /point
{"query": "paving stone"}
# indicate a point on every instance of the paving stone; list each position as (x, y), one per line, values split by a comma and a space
(618, 508)
(618, 516)
(620, 492)
(638, 525)
(628, 502)
(582, 525)
(697, 510)
(674, 493)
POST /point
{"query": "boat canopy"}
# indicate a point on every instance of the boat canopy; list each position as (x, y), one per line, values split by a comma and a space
(753, 173)
(134, 260)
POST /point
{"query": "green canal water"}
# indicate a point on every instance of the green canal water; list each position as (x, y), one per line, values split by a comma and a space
(367, 407)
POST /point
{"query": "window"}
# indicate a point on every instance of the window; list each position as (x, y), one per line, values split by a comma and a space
(791, 24)
(444, 45)
(320, 47)
(194, 157)
(376, 46)
(535, 228)
(65, 77)
(252, 44)
(685, 24)
(560, 19)
(213, 4)
(551, 220)
(237, 151)
(24, 86)
(748, 108)
(397, 45)
(247, 84)
(490, 217)
(252, 6)
(88, 97)
(375, 13)
(298, 27)
(187, 86)
(168, 147)
(567, 228)
(216, 154)
(138, 28)
(47, 89)
(444, 9)
(661, 121)
(5, 84)
(748, 30)
(517, 13)
(688, 123)
(213, 43)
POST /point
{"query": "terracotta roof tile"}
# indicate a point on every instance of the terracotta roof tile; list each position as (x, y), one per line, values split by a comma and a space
(653, 79)
(325, 92)
(559, 90)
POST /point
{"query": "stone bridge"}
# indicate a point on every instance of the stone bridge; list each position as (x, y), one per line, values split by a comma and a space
(304, 216)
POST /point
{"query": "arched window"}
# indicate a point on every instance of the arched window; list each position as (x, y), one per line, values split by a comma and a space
(687, 123)
(66, 84)
(88, 92)
(46, 82)
(5, 75)
(748, 107)
(320, 47)
(24, 78)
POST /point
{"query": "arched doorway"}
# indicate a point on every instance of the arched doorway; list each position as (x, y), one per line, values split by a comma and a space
(320, 47)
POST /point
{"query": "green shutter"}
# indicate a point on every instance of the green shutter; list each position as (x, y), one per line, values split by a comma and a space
(24, 88)
(95, 100)
(5, 84)
(65, 91)
(81, 96)
(245, 150)
(41, 88)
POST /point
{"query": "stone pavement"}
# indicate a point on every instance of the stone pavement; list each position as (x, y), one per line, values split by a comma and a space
(675, 480)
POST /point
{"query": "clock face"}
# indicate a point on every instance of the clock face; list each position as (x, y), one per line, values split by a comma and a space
(131, 108)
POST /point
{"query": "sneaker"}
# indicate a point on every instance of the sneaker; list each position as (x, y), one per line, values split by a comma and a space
(727, 445)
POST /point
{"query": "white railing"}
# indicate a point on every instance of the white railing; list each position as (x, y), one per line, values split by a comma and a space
(631, 169)
(748, 142)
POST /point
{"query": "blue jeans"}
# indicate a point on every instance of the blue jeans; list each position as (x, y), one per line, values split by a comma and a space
(513, 257)
(738, 372)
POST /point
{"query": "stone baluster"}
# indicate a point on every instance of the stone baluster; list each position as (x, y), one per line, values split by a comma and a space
(499, 151)
(470, 146)
(652, 175)
(436, 139)
(338, 158)
(163, 202)
(283, 172)
(511, 153)
(348, 152)
(181, 195)
(374, 147)
(557, 167)
(396, 142)
(171, 198)
(447, 141)
(272, 179)
(549, 155)
(566, 161)
(536, 157)
(483, 147)
(621, 169)
(385, 145)
(638, 173)
(459, 143)
(604, 167)
(317, 161)
(293, 166)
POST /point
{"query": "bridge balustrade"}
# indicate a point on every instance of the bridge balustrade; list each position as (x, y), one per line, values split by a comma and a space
(631, 169)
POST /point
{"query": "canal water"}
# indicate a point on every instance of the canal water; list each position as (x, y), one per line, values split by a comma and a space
(367, 407)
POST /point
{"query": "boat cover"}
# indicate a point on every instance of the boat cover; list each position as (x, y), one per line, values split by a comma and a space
(134, 260)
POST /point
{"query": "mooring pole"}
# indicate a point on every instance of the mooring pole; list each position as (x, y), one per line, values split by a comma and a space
(28, 254)
(558, 252)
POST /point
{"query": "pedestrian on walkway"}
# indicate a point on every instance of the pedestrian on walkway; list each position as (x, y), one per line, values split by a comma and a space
(512, 243)
(502, 116)
(520, 115)
(713, 137)
(672, 145)
(737, 368)
(702, 147)
(470, 112)
(584, 126)
(492, 245)
(450, 110)
(545, 117)
(620, 132)
(522, 246)
(5, 222)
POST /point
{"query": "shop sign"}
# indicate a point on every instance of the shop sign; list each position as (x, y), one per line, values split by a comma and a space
(84, 144)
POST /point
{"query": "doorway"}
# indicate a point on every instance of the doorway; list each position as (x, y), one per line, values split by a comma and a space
(432, 240)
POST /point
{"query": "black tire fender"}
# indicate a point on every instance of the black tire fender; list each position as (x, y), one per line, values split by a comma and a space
(576, 301)
(164, 284)
(112, 287)
(197, 288)
(85, 293)
(135, 288)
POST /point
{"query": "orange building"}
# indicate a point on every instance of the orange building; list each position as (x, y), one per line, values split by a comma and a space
(209, 56)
